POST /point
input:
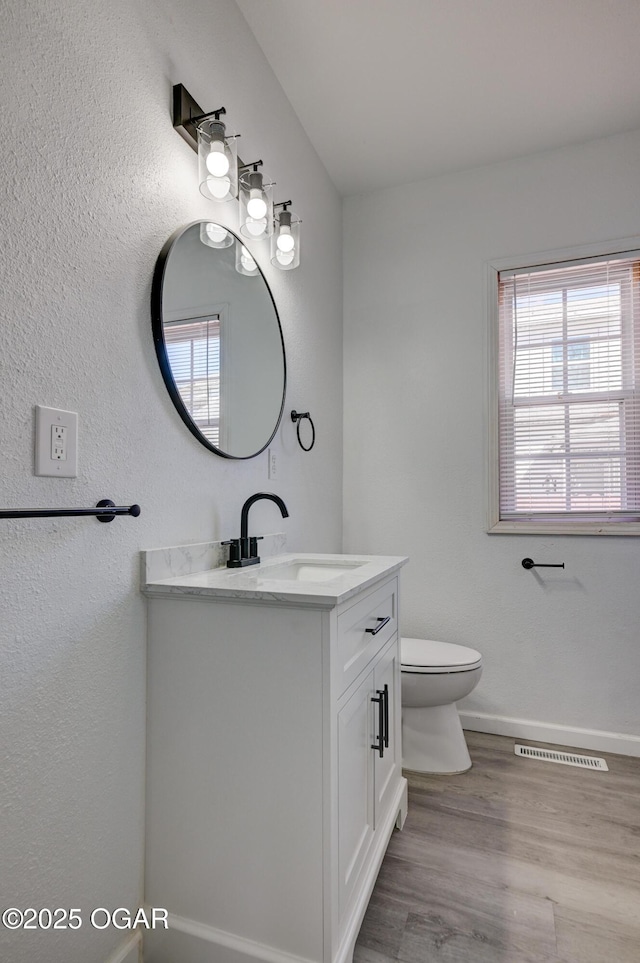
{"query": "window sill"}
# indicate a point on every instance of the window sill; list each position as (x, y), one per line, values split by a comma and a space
(564, 528)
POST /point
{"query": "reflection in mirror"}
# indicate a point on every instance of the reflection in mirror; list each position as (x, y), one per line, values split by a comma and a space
(214, 235)
(193, 349)
(218, 340)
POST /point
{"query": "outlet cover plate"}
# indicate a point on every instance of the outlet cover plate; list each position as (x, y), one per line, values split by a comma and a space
(46, 420)
(272, 465)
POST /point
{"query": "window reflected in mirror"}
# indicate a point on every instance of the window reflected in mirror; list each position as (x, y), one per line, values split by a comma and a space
(193, 347)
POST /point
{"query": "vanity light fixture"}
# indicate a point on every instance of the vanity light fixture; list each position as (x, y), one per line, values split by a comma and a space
(216, 146)
(215, 235)
(285, 241)
(256, 203)
(223, 176)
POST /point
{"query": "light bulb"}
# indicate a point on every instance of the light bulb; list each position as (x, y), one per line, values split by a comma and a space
(217, 160)
(254, 227)
(285, 257)
(256, 206)
(285, 241)
(215, 232)
(219, 187)
(247, 261)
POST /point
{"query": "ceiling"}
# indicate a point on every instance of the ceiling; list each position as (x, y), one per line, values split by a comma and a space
(393, 91)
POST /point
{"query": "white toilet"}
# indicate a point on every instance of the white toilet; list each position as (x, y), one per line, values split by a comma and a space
(435, 675)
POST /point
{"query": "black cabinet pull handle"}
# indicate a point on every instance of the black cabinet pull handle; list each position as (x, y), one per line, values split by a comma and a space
(381, 624)
(386, 716)
(379, 744)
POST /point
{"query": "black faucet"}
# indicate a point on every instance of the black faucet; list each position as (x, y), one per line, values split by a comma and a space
(244, 550)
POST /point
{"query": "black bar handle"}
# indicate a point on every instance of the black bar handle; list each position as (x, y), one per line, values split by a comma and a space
(105, 511)
(381, 624)
(529, 563)
(379, 744)
(386, 715)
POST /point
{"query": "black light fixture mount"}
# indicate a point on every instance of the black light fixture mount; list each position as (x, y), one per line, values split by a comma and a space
(254, 165)
(187, 114)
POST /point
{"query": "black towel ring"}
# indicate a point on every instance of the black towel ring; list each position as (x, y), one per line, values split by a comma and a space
(297, 416)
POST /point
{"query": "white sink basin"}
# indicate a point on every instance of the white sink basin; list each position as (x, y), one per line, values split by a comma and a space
(308, 570)
(301, 578)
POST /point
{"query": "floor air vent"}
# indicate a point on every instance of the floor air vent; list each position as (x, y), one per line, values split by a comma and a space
(564, 758)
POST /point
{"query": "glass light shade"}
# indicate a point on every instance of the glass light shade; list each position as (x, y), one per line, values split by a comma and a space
(285, 241)
(217, 161)
(245, 263)
(215, 235)
(256, 205)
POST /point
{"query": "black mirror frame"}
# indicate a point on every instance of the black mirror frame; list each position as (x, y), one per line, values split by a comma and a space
(157, 289)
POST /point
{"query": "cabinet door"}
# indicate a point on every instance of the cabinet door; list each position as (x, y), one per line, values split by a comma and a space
(387, 768)
(355, 787)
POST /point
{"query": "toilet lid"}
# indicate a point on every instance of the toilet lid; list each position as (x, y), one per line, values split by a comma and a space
(426, 655)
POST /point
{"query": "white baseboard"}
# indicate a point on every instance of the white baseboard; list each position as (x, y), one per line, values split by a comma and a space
(615, 742)
(189, 941)
(127, 952)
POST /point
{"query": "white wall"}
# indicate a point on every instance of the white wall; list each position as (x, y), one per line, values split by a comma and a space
(94, 179)
(562, 648)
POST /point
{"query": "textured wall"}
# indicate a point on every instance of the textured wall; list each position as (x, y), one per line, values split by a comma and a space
(94, 179)
(562, 649)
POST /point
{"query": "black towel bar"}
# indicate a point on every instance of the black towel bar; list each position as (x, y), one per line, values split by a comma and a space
(105, 511)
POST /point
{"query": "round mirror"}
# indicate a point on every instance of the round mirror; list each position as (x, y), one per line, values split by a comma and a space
(218, 340)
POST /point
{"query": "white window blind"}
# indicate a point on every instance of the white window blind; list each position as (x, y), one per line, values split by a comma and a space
(193, 348)
(569, 415)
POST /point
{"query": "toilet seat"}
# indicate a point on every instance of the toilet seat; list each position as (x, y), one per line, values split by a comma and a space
(430, 657)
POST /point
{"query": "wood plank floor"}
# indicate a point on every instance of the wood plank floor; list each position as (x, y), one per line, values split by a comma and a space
(515, 861)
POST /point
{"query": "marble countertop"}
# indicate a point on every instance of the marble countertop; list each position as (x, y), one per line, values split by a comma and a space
(254, 583)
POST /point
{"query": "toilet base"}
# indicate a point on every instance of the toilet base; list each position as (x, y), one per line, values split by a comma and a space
(433, 740)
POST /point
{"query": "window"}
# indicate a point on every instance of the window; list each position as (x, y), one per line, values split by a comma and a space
(193, 348)
(569, 398)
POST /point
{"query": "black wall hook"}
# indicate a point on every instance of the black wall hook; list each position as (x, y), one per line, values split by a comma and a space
(297, 416)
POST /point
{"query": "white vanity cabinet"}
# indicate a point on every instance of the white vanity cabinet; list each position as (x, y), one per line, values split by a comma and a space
(367, 781)
(269, 803)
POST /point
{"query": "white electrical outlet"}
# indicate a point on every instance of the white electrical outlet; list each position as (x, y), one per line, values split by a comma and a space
(272, 466)
(56, 442)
